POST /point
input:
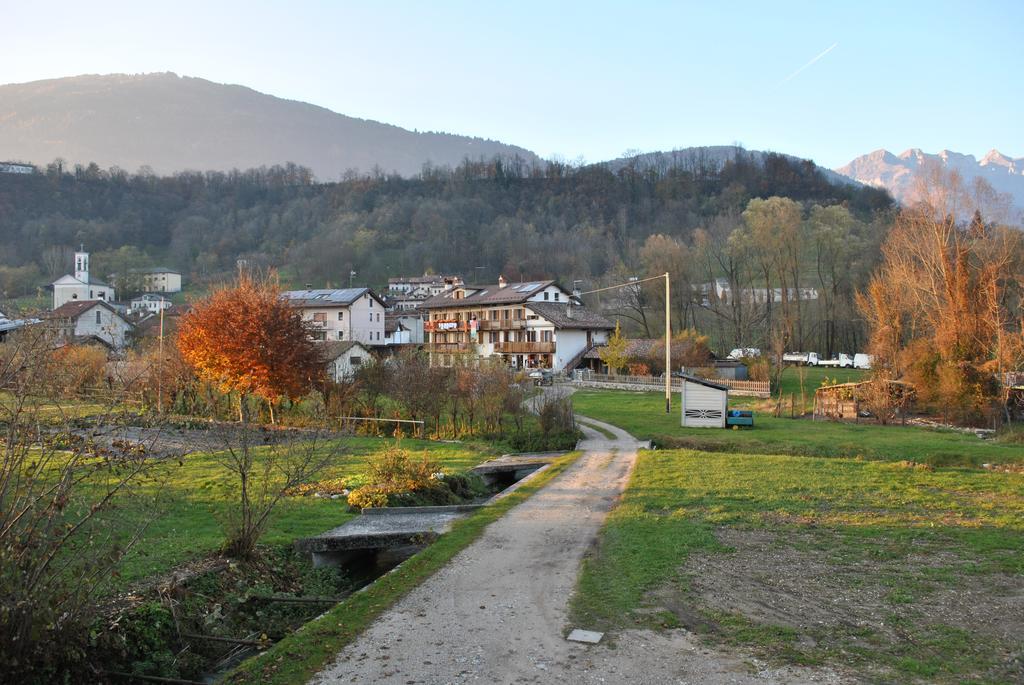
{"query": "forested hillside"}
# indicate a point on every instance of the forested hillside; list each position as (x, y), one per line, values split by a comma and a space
(480, 219)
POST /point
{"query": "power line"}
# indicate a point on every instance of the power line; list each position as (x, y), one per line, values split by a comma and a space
(624, 285)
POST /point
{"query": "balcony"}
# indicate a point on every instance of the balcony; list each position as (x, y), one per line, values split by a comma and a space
(524, 347)
(452, 347)
(502, 324)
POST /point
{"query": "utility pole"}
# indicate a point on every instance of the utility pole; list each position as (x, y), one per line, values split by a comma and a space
(635, 282)
(160, 371)
(668, 349)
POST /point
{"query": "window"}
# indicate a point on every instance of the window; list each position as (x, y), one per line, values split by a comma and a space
(545, 336)
(371, 302)
(341, 316)
(378, 318)
(341, 334)
(557, 296)
(320, 317)
(355, 361)
(545, 294)
(99, 317)
(319, 335)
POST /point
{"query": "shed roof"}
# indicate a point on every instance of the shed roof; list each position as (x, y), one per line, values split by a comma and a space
(705, 382)
(335, 348)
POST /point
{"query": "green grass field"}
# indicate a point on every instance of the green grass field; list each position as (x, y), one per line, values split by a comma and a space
(191, 498)
(881, 553)
(643, 415)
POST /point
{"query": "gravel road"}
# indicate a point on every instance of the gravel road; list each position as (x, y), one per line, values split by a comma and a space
(497, 612)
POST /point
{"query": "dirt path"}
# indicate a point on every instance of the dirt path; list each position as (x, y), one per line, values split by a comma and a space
(497, 612)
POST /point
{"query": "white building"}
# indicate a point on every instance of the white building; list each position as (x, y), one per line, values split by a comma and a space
(723, 293)
(406, 293)
(158, 279)
(90, 319)
(16, 168)
(343, 358)
(80, 286)
(531, 325)
(403, 328)
(703, 403)
(342, 314)
(149, 302)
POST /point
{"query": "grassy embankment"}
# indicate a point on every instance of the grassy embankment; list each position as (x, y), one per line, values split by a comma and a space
(307, 651)
(192, 496)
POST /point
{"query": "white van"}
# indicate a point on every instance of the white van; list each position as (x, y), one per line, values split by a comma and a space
(862, 361)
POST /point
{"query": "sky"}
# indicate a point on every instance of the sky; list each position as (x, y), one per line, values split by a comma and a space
(587, 81)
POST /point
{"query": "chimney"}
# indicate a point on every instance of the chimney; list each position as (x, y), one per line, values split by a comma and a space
(502, 282)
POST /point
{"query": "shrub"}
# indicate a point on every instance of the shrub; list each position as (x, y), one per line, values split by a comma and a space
(368, 497)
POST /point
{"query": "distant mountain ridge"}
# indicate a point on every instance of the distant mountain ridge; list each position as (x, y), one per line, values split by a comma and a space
(171, 123)
(898, 173)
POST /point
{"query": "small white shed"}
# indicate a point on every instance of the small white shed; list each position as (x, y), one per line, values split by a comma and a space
(343, 358)
(703, 403)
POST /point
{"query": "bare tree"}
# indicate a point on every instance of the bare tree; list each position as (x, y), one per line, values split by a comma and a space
(266, 464)
(64, 529)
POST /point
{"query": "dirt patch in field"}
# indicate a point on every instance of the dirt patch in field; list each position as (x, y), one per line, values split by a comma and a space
(836, 601)
(785, 581)
(175, 442)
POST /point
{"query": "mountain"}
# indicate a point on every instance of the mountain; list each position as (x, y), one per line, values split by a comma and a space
(171, 123)
(898, 173)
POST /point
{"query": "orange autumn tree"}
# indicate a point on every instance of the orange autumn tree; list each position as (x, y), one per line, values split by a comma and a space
(246, 339)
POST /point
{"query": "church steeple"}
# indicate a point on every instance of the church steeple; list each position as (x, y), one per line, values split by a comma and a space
(82, 265)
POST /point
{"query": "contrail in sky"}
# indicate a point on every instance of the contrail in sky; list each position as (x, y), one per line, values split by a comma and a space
(816, 58)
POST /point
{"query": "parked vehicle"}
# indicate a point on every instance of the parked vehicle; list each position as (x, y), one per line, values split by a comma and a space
(802, 358)
(843, 361)
(741, 352)
(863, 361)
(542, 377)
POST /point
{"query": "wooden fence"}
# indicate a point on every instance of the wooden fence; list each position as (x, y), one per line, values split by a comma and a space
(656, 383)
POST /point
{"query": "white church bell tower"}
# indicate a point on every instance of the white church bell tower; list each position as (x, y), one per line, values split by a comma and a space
(82, 266)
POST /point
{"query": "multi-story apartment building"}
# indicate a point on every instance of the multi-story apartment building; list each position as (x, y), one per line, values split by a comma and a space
(157, 279)
(409, 292)
(531, 325)
(341, 314)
